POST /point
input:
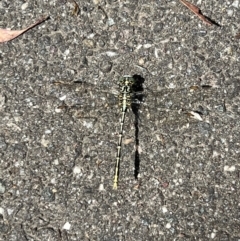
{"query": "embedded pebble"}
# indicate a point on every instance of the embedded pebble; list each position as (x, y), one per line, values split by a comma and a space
(229, 168)
(63, 97)
(230, 12)
(48, 194)
(235, 3)
(164, 209)
(76, 170)
(24, 6)
(110, 22)
(1, 211)
(66, 226)
(2, 101)
(44, 142)
(106, 66)
(101, 187)
(147, 46)
(168, 225)
(2, 186)
(89, 43)
(141, 61)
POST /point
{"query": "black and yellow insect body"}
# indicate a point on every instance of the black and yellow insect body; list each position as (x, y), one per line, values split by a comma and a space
(126, 84)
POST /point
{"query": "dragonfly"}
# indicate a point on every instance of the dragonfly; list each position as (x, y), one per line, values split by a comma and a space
(127, 97)
(131, 95)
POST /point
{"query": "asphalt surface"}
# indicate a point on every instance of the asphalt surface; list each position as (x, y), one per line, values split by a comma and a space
(57, 163)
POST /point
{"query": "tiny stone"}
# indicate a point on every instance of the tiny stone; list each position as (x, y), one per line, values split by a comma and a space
(1, 211)
(141, 61)
(164, 209)
(76, 170)
(2, 100)
(111, 53)
(235, 3)
(44, 142)
(89, 43)
(230, 12)
(56, 162)
(48, 131)
(3, 144)
(96, 2)
(48, 194)
(2, 186)
(111, 22)
(146, 46)
(62, 97)
(106, 66)
(101, 43)
(66, 226)
(168, 225)
(101, 187)
(229, 168)
(24, 6)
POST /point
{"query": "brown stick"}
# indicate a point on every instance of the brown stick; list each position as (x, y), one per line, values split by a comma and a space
(196, 11)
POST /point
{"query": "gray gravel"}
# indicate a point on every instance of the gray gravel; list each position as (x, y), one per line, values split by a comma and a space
(57, 164)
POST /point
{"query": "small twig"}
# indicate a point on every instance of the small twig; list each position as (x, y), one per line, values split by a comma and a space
(196, 11)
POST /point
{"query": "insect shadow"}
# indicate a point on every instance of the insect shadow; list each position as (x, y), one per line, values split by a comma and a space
(137, 98)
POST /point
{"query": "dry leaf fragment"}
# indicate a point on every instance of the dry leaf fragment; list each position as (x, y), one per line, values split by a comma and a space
(237, 36)
(76, 8)
(196, 87)
(197, 11)
(194, 115)
(7, 35)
